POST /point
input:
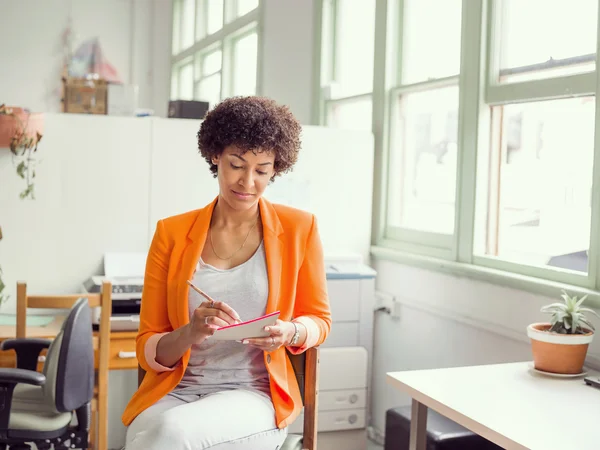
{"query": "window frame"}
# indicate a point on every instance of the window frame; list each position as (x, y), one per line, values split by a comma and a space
(478, 89)
(427, 243)
(327, 24)
(233, 28)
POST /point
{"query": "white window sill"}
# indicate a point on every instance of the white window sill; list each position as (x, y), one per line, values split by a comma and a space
(498, 277)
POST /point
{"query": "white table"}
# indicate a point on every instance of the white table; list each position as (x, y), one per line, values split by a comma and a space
(509, 404)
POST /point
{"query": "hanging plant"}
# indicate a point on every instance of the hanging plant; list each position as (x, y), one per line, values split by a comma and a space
(21, 132)
(3, 297)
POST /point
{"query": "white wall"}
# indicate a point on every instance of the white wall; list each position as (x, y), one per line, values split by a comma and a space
(135, 36)
(448, 321)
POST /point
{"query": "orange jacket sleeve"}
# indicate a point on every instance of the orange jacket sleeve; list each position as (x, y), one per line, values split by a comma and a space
(312, 301)
(154, 317)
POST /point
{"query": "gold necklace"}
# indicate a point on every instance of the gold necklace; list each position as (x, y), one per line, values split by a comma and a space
(241, 247)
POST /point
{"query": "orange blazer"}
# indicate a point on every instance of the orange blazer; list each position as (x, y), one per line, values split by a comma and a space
(297, 288)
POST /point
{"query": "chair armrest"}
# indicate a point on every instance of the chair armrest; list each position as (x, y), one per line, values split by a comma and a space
(15, 376)
(28, 351)
(9, 378)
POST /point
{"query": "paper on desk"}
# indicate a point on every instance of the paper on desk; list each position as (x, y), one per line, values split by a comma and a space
(246, 330)
(32, 321)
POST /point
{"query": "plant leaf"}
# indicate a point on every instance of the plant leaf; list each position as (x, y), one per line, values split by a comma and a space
(590, 311)
(581, 300)
(21, 169)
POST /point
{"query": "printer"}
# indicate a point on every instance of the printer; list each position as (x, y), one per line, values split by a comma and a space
(125, 271)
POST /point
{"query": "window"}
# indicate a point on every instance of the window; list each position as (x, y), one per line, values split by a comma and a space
(526, 55)
(424, 123)
(245, 49)
(535, 196)
(489, 138)
(347, 63)
(215, 49)
(208, 73)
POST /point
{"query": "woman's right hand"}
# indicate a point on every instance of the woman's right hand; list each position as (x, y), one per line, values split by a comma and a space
(210, 316)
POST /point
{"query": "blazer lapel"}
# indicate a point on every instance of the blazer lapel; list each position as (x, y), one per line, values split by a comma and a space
(272, 230)
(190, 257)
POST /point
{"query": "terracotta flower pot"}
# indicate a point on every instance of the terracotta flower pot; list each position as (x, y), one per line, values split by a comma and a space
(9, 125)
(558, 353)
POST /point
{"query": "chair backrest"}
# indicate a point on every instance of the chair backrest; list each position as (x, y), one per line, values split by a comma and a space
(69, 367)
(103, 300)
(306, 369)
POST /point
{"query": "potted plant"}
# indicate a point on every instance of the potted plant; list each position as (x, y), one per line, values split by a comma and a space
(561, 345)
(21, 132)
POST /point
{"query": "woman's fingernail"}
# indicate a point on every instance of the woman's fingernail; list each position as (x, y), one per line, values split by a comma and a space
(267, 328)
(244, 341)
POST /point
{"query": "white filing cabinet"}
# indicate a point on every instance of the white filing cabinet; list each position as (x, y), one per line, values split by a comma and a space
(345, 361)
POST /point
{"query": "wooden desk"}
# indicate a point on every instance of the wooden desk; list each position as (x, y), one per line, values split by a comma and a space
(122, 344)
(508, 404)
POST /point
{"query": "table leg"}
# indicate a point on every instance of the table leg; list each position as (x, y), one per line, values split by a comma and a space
(418, 426)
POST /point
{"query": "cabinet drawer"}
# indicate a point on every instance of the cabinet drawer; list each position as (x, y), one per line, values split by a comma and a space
(122, 354)
(345, 399)
(347, 419)
(344, 299)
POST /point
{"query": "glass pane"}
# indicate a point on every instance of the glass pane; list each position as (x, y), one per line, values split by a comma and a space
(561, 40)
(174, 84)
(245, 6)
(186, 82)
(354, 48)
(214, 17)
(175, 47)
(431, 41)
(209, 90)
(353, 115)
(211, 63)
(540, 184)
(422, 186)
(187, 23)
(244, 65)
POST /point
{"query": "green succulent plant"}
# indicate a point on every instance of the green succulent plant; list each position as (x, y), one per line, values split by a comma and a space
(569, 317)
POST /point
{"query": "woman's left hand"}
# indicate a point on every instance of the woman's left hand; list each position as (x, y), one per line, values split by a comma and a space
(280, 335)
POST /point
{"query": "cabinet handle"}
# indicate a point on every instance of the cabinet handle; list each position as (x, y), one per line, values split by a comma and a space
(126, 355)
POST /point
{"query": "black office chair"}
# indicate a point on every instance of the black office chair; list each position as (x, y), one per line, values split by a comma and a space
(39, 407)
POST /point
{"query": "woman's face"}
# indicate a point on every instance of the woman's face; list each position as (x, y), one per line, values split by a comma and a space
(243, 177)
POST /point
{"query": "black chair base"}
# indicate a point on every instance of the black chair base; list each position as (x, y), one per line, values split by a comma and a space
(70, 437)
(442, 433)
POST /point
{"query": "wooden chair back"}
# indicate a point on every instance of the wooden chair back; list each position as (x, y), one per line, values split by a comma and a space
(101, 342)
(306, 369)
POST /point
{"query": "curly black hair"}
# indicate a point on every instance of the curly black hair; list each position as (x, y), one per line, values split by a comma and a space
(256, 124)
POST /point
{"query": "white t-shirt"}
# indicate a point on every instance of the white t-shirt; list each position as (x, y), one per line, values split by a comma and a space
(221, 365)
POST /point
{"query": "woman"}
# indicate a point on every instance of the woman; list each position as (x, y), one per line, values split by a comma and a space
(253, 258)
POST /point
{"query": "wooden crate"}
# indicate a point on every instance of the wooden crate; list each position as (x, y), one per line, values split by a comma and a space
(83, 96)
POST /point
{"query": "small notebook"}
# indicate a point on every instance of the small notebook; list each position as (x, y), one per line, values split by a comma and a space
(246, 330)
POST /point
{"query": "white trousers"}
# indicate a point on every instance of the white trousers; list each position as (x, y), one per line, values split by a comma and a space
(228, 420)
